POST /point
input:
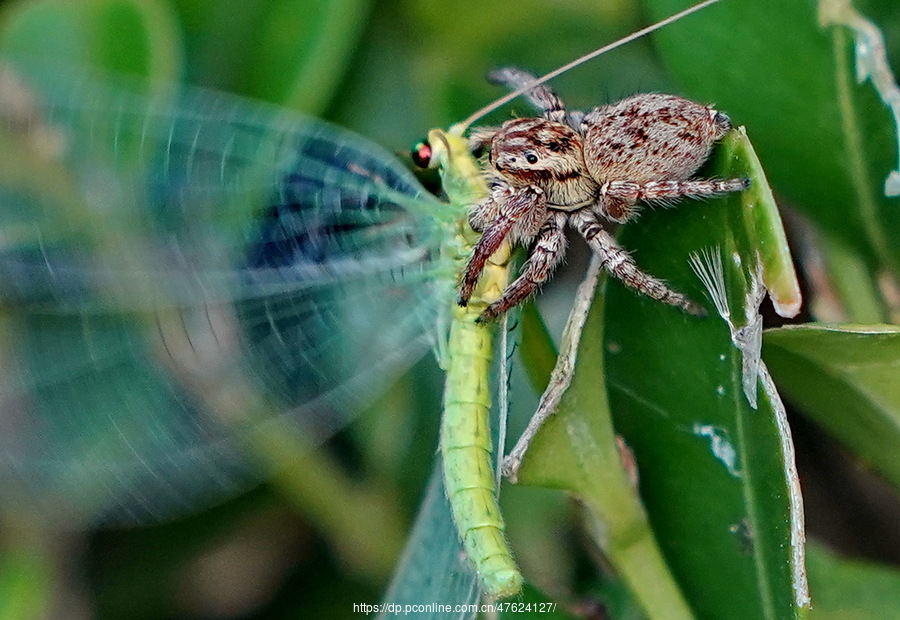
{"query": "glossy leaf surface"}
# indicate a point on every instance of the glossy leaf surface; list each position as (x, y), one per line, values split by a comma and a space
(845, 377)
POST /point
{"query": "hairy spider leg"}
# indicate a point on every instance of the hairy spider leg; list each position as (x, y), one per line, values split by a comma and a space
(502, 216)
(619, 263)
(542, 97)
(618, 199)
(546, 253)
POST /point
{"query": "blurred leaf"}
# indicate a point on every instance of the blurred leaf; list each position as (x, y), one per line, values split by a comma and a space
(459, 52)
(539, 523)
(304, 49)
(618, 601)
(421, 67)
(851, 590)
(856, 285)
(119, 36)
(139, 569)
(217, 36)
(315, 483)
(827, 142)
(845, 378)
(716, 474)
(26, 579)
(285, 51)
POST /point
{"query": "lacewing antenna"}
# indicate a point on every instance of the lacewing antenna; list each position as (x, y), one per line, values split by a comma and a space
(578, 61)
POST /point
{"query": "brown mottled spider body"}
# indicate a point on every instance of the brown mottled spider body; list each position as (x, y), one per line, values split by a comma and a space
(588, 170)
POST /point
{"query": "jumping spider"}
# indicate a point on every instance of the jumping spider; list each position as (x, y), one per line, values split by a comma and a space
(588, 170)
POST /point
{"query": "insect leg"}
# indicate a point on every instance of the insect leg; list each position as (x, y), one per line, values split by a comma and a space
(548, 250)
(542, 97)
(620, 264)
(505, 207)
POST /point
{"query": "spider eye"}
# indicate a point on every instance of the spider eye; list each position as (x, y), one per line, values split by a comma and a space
(421, 154)
(531, 158)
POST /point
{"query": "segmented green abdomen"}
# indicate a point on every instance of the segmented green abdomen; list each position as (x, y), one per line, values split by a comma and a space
(466, 450)
(465, 425)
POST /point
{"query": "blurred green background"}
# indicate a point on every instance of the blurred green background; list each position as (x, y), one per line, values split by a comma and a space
(391, 70)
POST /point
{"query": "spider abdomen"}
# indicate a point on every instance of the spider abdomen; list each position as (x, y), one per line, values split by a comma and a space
(650, 137)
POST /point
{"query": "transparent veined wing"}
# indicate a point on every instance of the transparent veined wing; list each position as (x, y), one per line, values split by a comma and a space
(182, 270)
(434, 575)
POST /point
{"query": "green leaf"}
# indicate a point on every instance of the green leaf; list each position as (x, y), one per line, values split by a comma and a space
(851, 590)
(26, 580)
(786, 71)
(716, 474)
(288, 52)
(855, 283)
(304, 49)
(756, 227)
(420, 67)
(576, 450)
(845, 378)
(120, 36)
(459, 52)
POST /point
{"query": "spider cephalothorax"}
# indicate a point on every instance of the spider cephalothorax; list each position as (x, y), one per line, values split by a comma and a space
(544, 154)
(588, 170)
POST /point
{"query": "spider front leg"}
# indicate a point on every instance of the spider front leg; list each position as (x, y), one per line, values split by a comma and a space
(541, 96)
(620, 264)
(618, 199)
(546, 252)
(497, 216)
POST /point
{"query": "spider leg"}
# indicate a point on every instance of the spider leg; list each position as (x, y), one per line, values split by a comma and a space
(542, 97)
(618, 198)
(510, 209)
(620, 264)
(548, 250)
